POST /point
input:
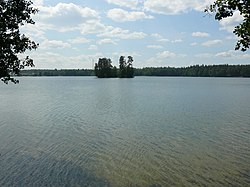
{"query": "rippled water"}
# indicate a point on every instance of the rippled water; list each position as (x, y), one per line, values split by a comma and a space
(146, 131)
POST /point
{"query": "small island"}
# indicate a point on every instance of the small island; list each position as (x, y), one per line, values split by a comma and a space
(104, 68)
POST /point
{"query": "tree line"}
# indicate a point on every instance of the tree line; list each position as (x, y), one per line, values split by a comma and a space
(55, 72)
(191, 71)
(197, 71)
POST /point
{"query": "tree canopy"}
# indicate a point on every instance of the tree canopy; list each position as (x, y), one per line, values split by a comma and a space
(104, 68)
(13, 15)
(126, 67)
(226, 8)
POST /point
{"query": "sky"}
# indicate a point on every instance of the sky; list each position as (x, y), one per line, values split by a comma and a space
(74, 34)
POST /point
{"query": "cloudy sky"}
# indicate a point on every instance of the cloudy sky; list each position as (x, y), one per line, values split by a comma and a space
(75, 33)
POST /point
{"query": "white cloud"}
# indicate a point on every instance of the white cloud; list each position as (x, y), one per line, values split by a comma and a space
(165, 58)
(120, 15)
(154, 47)
(46, 44)
(116, 55)
(106, 41)
(232, 37)
(33, 32)
(92, 27)
(175, 7)
(64, 16)
(229, 23)
(242, 56)
(124, 3)
(38, 2)
(79, 40)
(116, 32)
(233, 54)
(211, 42)
(177, 41)
(194, 44)
(224, 54)
(159, 37)
(50, 60)
(163, 40)
(156, 35)
(165, 54)
(200, 34)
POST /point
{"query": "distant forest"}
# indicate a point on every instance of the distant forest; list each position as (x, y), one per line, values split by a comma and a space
(191, 71)
(55, 72)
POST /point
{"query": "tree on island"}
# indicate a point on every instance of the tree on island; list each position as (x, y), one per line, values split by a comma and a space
(13, 15)
(104, 69)
(126, 67)
(226, 8)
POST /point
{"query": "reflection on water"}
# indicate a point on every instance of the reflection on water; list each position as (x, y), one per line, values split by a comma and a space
(83, 131)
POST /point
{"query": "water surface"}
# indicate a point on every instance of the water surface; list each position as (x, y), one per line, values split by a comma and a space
(146, 131)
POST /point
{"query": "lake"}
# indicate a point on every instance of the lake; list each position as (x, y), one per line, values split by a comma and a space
(146, 131)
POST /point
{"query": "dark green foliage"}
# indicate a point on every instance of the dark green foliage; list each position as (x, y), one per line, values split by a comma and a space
(226, 8)
(104, 69)
(62, 72)
(197, 71)
(122, 67)
(192, 71)
(13, 14)
(126, 68)
(130, 69)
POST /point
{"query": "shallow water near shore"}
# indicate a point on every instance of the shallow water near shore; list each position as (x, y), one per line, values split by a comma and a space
(146, 131)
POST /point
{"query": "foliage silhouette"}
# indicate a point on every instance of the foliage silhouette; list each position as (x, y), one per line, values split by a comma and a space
(104, 69)
(13, 14)
(126, 68)
(226, 8)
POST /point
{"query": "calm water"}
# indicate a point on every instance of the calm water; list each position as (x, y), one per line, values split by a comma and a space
(146, 131)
